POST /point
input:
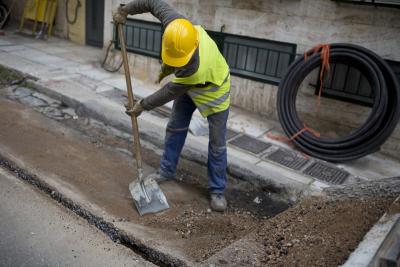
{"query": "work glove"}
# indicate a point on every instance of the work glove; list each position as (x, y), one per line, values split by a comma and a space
(136, 110)
(120, 15)
(164, 72)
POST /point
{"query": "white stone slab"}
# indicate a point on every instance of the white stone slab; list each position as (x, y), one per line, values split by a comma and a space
(95, 73)
(249, 124)
(5, 43)
(11, 48)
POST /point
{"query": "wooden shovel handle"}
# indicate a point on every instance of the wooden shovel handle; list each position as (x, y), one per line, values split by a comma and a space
(135, 127)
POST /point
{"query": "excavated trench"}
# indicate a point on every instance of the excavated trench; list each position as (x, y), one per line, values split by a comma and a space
(87, 166)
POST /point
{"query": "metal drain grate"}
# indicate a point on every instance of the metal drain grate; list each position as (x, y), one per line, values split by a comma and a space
(327, 173)
(230, 134)
(250, 144)
(288, 158)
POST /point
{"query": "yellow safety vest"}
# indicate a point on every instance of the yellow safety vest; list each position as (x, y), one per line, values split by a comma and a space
(214, 70)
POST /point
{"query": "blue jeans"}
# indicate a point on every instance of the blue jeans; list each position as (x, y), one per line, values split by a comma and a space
(177, 129)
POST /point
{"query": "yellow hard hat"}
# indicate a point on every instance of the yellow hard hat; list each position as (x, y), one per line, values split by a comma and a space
(180, 40)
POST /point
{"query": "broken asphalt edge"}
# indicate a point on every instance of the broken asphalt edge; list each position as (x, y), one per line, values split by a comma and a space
(112, 231)
(291, 186)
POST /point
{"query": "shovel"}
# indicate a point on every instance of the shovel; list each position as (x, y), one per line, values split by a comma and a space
(146, 193)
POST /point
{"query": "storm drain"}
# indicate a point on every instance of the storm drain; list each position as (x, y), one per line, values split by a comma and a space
(250, 144)
(230, 134)
(288, 158)
(326, 173)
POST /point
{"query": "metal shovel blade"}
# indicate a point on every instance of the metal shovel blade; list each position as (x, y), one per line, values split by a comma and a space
(148, 196)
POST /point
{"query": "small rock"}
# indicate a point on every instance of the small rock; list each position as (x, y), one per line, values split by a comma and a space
(22, 92)
(257, 200)
(208, 210)
(32, 101)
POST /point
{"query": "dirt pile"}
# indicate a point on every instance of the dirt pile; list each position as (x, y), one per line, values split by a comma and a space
(318, 232)
(8, 77)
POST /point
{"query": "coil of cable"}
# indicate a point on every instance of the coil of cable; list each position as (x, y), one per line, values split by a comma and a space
(380, 123)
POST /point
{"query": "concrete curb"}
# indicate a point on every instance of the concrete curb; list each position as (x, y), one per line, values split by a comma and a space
(240, 165)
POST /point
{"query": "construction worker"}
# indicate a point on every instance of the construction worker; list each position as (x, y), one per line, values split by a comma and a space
(202, 81)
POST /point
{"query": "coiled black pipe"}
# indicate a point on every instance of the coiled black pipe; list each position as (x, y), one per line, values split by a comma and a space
(372, 134)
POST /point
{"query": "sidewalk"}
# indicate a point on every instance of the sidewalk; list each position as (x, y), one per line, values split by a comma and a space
(72, 74)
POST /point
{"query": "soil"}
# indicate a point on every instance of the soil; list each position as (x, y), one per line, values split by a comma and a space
(315, 232)
(8, 77)
(318, 232)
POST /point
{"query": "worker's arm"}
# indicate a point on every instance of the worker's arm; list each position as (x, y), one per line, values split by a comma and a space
(172, 90)
(158, 8)
(167, 93)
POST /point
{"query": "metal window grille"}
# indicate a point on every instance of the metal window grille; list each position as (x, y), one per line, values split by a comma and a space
(142, 37)
(384, 3)
(251, 58)
(257, 59)
(348, 84)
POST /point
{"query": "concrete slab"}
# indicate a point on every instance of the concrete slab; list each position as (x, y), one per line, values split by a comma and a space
(5, 43)
(23, 65)
(95, 73)
(249, 124)
(11, 48)
(373, 166)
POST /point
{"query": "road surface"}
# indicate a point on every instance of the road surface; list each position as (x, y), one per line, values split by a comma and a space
(37, 231)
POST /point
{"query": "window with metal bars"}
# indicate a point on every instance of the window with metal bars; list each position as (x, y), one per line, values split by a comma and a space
(348, 84)
(256, 59)
(384, 3)
(142, 37)
(251, 58)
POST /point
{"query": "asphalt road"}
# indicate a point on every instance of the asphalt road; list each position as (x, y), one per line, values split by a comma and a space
(37, 231)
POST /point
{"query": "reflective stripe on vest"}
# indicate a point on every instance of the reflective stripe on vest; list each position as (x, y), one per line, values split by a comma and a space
(199, 91)
(214, 103)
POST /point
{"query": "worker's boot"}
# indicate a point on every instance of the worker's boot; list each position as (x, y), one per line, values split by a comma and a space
(159, 178)
(218, 202)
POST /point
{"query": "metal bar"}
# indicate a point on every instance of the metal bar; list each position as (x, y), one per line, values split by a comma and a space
(145, 38)
(237, 55)
(255, 64)
(277, 65)
(266, 65)
(345, 79)
(247, 55)
(358, 84)
(154, 41)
